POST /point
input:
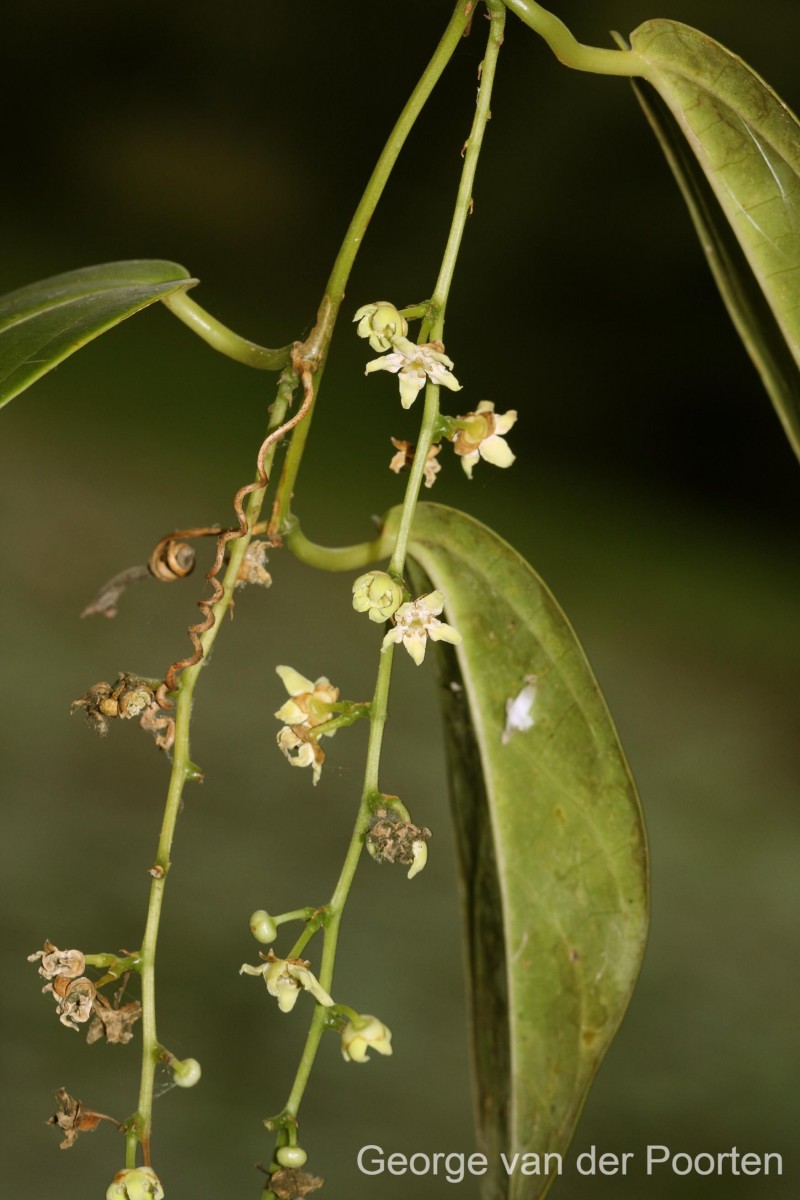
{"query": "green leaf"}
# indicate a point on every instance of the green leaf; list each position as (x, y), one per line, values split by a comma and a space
(744, 173)
(551, 846)
(42, 324)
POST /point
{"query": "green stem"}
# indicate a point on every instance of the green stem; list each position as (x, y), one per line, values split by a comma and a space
(380, 700)
(571, 52)
(336, 558)
(335, 287)
(182, 770)
(223, 339)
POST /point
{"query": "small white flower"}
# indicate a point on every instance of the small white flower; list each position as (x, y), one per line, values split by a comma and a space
(286, 978)
(380, 323)
(405, 457)
(481, 437)
(365, 1033)
(417, 621)
(519, 710)
(413, 365)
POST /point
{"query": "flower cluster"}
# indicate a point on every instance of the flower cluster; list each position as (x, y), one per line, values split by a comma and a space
(417, 621)
(413, 364)
(475, 435)
(74, 993)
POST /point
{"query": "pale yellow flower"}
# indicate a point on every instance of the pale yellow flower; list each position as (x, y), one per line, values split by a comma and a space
(417, 621)
(482, 437)
(365, 1033)
(286, 978)
(380, 323)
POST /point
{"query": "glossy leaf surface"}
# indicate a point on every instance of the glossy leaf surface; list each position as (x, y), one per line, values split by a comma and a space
(551, 846)
(746, 144)
(42, 324)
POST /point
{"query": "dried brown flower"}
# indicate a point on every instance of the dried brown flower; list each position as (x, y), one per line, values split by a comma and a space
(74, 999)
(73, 1118)
(290, 1184)
(68, 963)
(390, 839)
(253, 568)
(405, 457)
(113, 1023)
(126, 698)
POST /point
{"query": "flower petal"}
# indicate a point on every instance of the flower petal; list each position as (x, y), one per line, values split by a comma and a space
(293, 681)
(497, 451)
(444, 633)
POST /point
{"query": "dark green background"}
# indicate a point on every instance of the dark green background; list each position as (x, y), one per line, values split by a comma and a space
(653, 491)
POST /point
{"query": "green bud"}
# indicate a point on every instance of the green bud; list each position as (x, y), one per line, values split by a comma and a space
(262, 927)
(291, 1156)
(380, 323)
(186, 1073)
(377, 594)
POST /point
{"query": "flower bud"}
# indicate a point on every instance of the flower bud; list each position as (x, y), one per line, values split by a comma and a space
(262, 927)
(137, 1183)
(377, 594)
(186, 1073)
(363, 1033)
(291, 1156)
(380, 323)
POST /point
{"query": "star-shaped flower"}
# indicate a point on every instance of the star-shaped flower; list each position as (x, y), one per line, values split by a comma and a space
(480, 436)
(417, 621)
(413, 365)
(309, 704)
(286, 978)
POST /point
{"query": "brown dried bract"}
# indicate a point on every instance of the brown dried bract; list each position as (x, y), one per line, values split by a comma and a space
(290, 1184)
(106, 600)
(391, 839)
(68, 963)
(113, 1023)
(73, 1118)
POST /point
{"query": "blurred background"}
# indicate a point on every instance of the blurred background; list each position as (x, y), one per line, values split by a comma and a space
(654, 491)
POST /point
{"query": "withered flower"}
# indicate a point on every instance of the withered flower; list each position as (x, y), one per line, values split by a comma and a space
(126, 698)
(73, 1118)
(115, 1024)
(253, 568)
(74, 999)
(390, 839)
(68, 963)
(288, 1183)
(405, 457)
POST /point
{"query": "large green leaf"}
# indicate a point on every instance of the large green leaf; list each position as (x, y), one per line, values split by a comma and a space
(42, 324)
(746, 143)
(551, 846)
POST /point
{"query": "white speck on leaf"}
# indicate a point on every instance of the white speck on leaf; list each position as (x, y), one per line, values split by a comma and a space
(519, 710)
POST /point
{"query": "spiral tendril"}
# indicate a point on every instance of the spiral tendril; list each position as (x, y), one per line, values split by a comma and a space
(207, 604)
